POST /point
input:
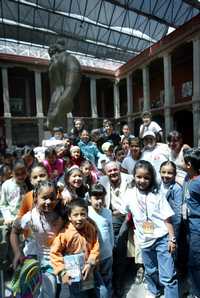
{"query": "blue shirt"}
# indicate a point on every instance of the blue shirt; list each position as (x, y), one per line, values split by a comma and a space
(103, 221)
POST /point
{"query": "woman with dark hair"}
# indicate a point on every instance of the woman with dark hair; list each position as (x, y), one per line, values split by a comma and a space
(176, 147)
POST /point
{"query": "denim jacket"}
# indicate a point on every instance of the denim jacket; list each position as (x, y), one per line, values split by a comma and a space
(175, 198)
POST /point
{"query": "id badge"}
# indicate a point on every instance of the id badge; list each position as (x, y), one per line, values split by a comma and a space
(148, 227)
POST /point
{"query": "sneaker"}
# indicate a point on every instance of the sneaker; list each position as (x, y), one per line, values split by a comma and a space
(139, 276)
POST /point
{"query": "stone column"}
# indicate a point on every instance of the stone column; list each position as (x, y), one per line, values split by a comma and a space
(6, 103)
(168, 96)
(196, 92)
(39, 107)
(129, 86)
(116, 100)
(93, 102)
(146, 88)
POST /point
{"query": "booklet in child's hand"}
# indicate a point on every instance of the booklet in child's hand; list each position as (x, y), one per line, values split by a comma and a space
(74, 265)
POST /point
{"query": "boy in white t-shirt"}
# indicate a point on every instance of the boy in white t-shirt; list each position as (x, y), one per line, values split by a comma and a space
(149, 125)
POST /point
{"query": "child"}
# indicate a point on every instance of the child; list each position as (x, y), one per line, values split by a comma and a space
(103, 219)
(88, 148)
(89, 173)
(12, 191)
(44, 222)
(78, 237)
(119, 154)
(192, 214)
(151, 215)
(125, 145)
(107, 155)
(149, 125)
(74, 187)
(173, 193)
(53, 164)
(38, 174)
(76, 157)
(129, 162)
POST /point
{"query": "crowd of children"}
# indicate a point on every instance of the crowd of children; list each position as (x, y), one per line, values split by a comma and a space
(67, 210)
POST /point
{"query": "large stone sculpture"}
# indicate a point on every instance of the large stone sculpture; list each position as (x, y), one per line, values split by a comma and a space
(65, 78)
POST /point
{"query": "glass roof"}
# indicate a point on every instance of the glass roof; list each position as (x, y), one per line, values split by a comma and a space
(104, 33)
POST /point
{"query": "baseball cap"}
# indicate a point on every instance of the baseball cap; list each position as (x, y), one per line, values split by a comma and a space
(149, 133)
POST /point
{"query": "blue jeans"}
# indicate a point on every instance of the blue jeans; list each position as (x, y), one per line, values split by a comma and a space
(194, 262)
(159, 268)
(103, 279)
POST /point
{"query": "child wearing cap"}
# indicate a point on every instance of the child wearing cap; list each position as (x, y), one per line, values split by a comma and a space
(107, 155)
(153, 153)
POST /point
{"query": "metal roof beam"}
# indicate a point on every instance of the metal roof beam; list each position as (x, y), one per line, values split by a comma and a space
(75, 17)
(13, 24)
(140, 12)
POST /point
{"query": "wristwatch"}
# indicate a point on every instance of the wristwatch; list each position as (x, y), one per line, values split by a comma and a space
(172, 239)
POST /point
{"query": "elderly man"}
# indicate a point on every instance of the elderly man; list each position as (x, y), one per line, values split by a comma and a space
(116, 183)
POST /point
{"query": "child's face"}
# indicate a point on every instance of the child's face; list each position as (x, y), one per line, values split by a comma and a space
(97, 202)
(146, 120)
(78, 217)
(78, 124)
(125, 130)
(51, 158)
(149, 142)
(167, 174)
(120, 155)
(142, 179)
(86, 169)
(135, 149)
(28, 159)
(58, 135)
(46, 199)
(109, 152)
(85, 136)
(76, 179)
(20, 175)
(38, 174)
(125, 145)
(75, 153)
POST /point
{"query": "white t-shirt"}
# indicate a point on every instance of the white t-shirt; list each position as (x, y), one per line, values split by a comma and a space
(152, 205)
(156, 157)
(153, 126)
(42, 231)
(11, 196)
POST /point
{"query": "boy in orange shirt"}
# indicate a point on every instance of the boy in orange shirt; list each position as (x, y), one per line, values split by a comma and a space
(78, 237)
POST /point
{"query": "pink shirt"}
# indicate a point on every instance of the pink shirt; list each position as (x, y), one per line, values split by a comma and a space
(58, 166)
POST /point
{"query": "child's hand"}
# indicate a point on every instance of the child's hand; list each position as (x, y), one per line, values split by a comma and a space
(171, 246)
(66, 279)
(86, 271)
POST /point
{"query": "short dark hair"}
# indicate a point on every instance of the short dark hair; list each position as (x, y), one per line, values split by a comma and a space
(169, 162)
(174, 134)
(50, 151)
(97, 189)
(58, 129)
(192, 155)
(77, 203)
(146, 114)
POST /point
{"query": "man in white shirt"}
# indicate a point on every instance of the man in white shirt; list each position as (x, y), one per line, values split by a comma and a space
(116, 184)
